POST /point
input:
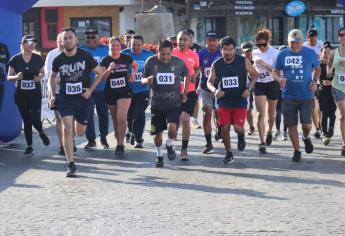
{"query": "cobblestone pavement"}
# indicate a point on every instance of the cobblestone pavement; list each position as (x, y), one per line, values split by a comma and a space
(255, 195)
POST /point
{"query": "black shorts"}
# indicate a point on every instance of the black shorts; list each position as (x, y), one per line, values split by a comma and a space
(112, 97)
(271, 90)
(292, 109)
(74, 105)
(160, 119)
(188, 106)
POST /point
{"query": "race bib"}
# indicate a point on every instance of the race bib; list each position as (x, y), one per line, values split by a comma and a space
(293, 61)
(139, 76)
(165, 78)
(342, 79)
(27, 84)
(207, 71)
(74, 88)
(230, 82)
(117, 83)
(265, 76)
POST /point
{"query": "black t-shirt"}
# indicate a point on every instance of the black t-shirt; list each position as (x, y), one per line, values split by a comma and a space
(27, 85)
(74, 71)
(118, 79)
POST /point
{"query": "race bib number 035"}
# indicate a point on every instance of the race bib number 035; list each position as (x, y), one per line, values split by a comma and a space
(139, 76)
(118, 82)
(165, 78)
(293, 61)
(74, 88)
(230, 82)
(27, 84)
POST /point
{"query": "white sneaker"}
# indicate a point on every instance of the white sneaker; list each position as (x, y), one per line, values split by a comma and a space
(276, 134)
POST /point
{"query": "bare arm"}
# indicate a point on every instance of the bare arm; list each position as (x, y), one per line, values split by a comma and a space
(329, 67)
(252, 73)
(40, 76)
(11, 75)
(52, 81)
(211, 79)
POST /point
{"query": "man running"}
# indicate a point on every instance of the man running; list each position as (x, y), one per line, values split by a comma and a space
(74, 66)
(207, 56)
(191, 59)
(230, 74)
(301, 70)
(164, 74)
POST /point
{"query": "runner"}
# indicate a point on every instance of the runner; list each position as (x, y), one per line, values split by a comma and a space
(337, 62)
(191, 59)
(247, 52)
(27, 70)
(140, 93)
(117, 91)
(173, 41)
(98, 51)
(74, 67)
(164, 73)
(266, 87)
(128, 36)
(327, 104)
(207, 56)
(299, 84)
(313, 43)
(230, 73)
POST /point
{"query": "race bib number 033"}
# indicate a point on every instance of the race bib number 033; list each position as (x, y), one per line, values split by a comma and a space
(165, 78)
(74, 88)
(27, 84)
(293, 61)
(118, 82)
(230, 82)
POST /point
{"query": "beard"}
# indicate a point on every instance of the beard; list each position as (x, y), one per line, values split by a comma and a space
(70, 48)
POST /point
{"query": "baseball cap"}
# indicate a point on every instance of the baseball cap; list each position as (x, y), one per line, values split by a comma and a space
(27, 38)
(311, 33)
(247, 46)
(212, 34)
(91, 31)
(295, 35)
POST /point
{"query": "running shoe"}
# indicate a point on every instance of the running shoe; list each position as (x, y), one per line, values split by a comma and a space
(208, 149)
(120, 150)
(308, 145)
(229, 157)
(184, 155)
(29, 151)
(45, 139)
(171, 152)
(90, 145)
(262, 148)
(159, 162)
(296, 156)
(72, 170)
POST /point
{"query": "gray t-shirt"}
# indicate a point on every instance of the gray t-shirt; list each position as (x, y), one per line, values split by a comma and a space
(167, 80)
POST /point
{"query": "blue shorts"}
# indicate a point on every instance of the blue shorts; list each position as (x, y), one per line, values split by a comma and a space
(338, 95)
(75, 105)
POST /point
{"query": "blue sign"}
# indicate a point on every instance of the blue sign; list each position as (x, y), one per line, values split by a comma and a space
(295, 8)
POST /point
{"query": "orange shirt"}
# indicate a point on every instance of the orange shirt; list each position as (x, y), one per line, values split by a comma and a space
(191, 59)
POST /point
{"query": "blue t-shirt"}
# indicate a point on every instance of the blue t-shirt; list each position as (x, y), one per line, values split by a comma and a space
(297, 69)
(206, 59)
(137, 86)
(98, 53)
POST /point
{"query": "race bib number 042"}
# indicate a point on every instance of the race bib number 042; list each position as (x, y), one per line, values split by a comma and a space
(165, 78)
(118, 82)
(74, 88)
(230, 82)
(27, 84)
(293, 61)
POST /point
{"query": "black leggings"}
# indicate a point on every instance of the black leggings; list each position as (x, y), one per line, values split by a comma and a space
(328, 109)
(30, 109)
(279, 113)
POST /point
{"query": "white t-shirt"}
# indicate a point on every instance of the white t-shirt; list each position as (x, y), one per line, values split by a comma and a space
(49, 64)
(317, 47)
(269, 57)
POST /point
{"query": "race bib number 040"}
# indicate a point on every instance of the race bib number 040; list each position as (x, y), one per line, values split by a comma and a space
(165, 78)
(230, 82)
(118, 82)
(74, 88)
(293, 61)
(27, 84)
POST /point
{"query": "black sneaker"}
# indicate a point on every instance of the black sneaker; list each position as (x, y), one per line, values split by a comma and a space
(120, 150)
(241, 144)
(228, 158)
(251, 131)
(132, 141)
(262, 148)
(269, 138)
(296, 156)
(104, 143)
(128, 137)
(159, 162)
(308, 146)
(71, 170)
(45, 139)
(29, 151)
(90, 145)
(343, 151)
(216, 137)
(138, 145)
(208, 149)
(61, 151)
(170, 152)
(317, 134)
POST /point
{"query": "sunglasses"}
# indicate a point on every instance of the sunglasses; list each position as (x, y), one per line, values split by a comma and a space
(30, 43)
(341, 35)
(91, 37)
(261, 45)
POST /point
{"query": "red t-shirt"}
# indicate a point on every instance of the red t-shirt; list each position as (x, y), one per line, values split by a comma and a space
(191, 59)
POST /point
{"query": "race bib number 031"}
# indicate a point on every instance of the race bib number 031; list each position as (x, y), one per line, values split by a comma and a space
(74, 88)
(165, 78)
(118, 82)
(230, 82)
(293, 61)
(27, 84)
